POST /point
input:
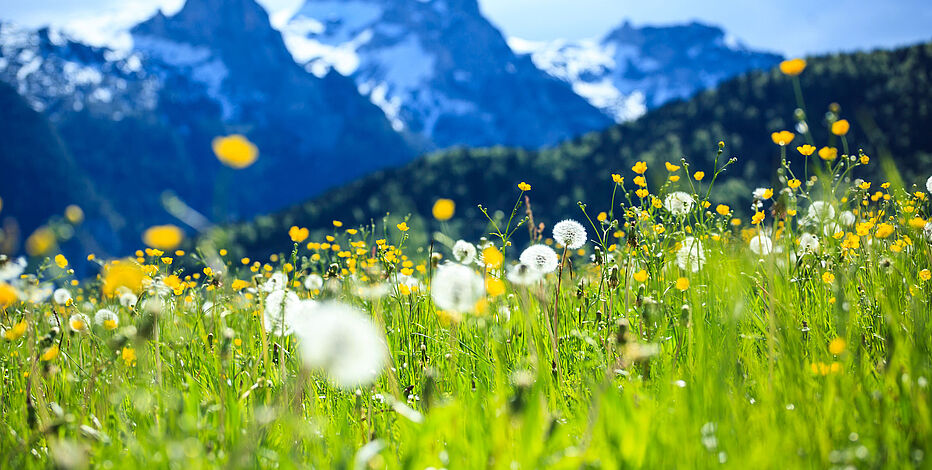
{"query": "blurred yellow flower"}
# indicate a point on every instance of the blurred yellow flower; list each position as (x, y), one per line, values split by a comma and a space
(7, 295)
(298, 234)
(640, 276)
(782, 138)
(40, 242)
(16, 332)
(793, 67)
(443, 209)
(828, 153)
(699, 175)
(883, 231)
(129, 356)
(682, 284)
(61, 261)
(837, 346)
(492, 257)
(925, 274)
(494, 286)
(524, 186)
(828, 277)
(794, 183)
(840, 127)
(74, 214)
(122, 273)
(403, 227)
(722, 209)
(235, 151)
(163, 237)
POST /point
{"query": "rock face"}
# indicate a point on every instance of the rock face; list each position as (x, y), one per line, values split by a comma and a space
(439, 70)
(633, 69)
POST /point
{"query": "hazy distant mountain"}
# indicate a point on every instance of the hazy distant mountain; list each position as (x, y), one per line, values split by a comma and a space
(633, 69)
(439, 70)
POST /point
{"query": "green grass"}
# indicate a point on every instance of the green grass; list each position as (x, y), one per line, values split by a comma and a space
(770, 361)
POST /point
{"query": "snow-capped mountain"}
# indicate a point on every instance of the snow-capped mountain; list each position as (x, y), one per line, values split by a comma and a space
(633, 68)
(440, 70)
(139, 123)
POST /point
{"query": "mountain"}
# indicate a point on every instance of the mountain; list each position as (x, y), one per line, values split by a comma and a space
(439, 70)
(885, 95)
(138, 124)
(633, 69)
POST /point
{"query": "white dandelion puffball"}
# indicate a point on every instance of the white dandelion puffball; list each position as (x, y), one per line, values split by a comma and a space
(274, 282)
(570, 234)
(344, 343)
(690, 256)
(456, 288)
(279, 306)
(128, 299)
(808, 243)
(847, 218)
(11, 269)
(313, 282)
(106, 319)
(929, 184)
(464, 252)
(523, 274)
(830, 229)
(761, 245)
(679, 203)
(540, 258)
(61, 296)
(79, 322)
(821, 211)
(927, 231)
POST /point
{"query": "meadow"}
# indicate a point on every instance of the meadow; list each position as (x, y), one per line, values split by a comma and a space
(659, 329)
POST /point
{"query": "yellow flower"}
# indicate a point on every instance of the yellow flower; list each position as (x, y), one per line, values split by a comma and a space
(129, 356)
(74, 214)
(671, 167)
(722, 209)
(828, 153)
(640, 276)
(925, 274)
(125, 273)
(699, 175)
(617, 178)
(656, 202)
(917, 222)
(682, 284)
(495, 287)
(640, 181)
(298, 234)
(50, 354)
(602, 217)
(167, 260)
(40, 242)
(865, 159)
(837, 346)
(639, 168)
(163, 237)
(402, 226)
(794, 183)
(524, 186)
(642, 193)
(492, 257)
(674, 178)
(806, 150)
(757, 218)
(443, 209)
(768, 193)
(61, 261)
(782, 138)
(793, 67)
(884, 231)
(235, 151)
(828, 277)
(16, 332)
(840, 127)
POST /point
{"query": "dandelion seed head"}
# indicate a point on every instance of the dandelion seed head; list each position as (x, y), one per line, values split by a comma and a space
(570, 234)
(761, 245)
(679, 203)
(523, 274)
(808, 243)
(342, 342)
(690, 256)
(456, 288)
(821, 211)
(540, 258)
(106, 319)
(313, 282)
(61, 296)
(78, 322)
(464, 252)
(279, 308)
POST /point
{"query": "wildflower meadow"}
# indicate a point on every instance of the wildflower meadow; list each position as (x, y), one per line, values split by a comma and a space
(661, 328)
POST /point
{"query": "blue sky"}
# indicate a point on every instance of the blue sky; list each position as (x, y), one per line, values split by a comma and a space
(792, 27)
